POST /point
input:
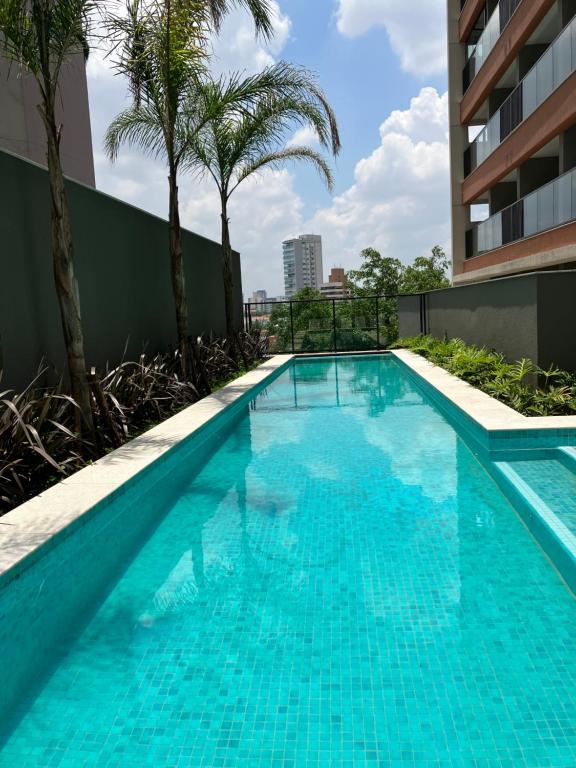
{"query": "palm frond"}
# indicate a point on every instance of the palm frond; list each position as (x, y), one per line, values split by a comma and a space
(39, 36)
(277, 159)
(260, 10)
(136, 126)
(246, 121)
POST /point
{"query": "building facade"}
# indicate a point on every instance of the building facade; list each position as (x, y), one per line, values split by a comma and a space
(22, 131)
(512, 89)
(262, 304)
(302, 264)
(337, 286)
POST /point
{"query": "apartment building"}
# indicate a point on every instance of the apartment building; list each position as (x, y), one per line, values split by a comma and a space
(22, 131)
(302, 264)
(337, 286)
(512, 88)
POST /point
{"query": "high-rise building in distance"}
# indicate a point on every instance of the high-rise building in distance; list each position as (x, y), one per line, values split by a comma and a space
(512, 90)
(302, 264)
(336, 287)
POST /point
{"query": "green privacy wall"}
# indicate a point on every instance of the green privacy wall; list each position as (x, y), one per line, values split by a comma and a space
(122, 265)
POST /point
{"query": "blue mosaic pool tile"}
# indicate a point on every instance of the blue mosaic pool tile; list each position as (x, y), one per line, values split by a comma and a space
(340, 584)
(554, 483)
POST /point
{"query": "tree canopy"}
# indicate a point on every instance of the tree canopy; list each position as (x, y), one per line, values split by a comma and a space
(386, 276)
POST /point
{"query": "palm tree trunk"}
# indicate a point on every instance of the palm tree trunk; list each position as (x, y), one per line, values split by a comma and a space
(64, 277)
(178, 277)
(228, 279)
(227, 271)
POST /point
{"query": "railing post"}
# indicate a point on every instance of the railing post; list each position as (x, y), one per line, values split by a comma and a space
(377, 322)
(420, 298)
(334, 324)
(292, 326)
(423, 314)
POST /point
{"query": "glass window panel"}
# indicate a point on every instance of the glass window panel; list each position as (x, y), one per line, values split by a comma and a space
(563, 199)
(545, 76)
(481, 144)
(488, 39)
(493, 133)
(497, 231)
(562, 55)
(573, 175)
(545, 207)
(530, 93)
(482, 237)
(530, 215)
(557, 63)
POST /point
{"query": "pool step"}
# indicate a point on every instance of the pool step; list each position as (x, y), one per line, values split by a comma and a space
(567, 456)
(543, 491)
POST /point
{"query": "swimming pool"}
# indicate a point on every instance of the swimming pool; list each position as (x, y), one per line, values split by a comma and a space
(330, 579)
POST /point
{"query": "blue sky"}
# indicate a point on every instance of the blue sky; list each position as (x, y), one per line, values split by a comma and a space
(382, 64)
(362, 76)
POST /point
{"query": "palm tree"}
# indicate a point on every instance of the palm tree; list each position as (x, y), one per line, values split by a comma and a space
(233, 147)
(42, 36)
(161, 46)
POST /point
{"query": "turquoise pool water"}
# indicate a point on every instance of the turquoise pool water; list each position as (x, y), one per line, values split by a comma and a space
(341, 584)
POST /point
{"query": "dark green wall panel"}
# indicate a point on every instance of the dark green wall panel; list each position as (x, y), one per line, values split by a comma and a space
(122, 265)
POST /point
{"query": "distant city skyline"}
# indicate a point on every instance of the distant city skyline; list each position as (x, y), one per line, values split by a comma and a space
(335, 285)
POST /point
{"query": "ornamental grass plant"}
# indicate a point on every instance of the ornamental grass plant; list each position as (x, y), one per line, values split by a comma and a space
(522, 385)
(39, 440)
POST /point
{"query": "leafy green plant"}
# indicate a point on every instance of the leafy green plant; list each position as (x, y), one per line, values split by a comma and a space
(522, 385)
(386, 276)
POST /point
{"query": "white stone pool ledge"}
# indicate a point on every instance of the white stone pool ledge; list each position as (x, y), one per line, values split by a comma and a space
(31, 525)
(486, 411)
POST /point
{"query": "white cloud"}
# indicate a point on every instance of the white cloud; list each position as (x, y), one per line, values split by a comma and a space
(399, 202)
(263, 211)
(304, 137)
(417, 30)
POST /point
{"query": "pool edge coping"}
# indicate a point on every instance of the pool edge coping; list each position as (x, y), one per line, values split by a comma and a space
(493, 417)
(487, 412)
(29, 527)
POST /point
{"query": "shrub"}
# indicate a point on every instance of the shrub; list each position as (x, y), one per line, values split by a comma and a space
(522, 385)
(39, 442)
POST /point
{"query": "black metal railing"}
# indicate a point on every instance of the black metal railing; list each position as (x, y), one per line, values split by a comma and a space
(348, 324)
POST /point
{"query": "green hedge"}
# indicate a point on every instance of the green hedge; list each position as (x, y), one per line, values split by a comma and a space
(522, 385)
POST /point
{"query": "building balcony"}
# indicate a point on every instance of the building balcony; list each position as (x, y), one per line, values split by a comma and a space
(552, 69)
(494, 28)
(550, 206)
(530, 18)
